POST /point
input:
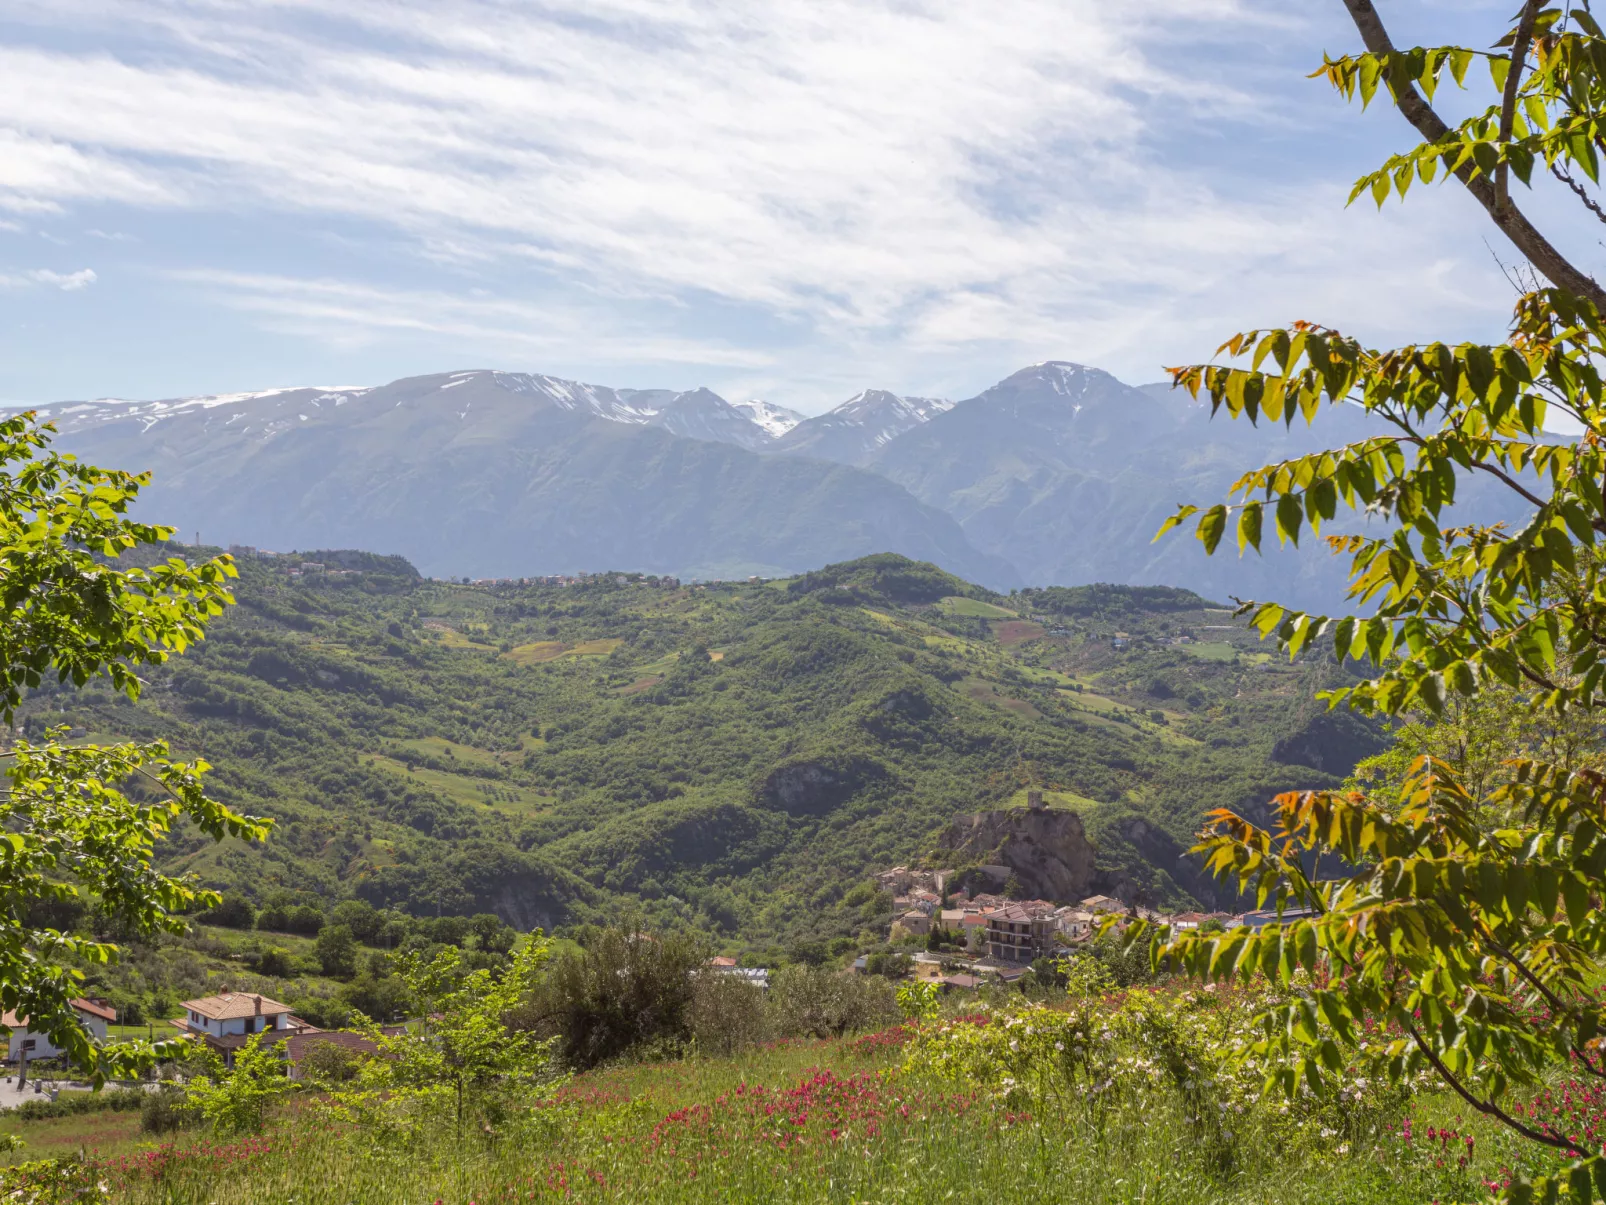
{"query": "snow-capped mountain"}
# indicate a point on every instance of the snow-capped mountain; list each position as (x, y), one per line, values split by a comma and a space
(851, 433)
(1058, 474)
(777, 420)
(697, 414)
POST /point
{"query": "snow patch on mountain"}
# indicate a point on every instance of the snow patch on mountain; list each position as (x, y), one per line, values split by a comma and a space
(776, 420)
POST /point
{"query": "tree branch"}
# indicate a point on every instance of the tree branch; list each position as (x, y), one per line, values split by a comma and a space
(1508, 103)
(1561, 173)
(1487, 1108)
(1522, 233)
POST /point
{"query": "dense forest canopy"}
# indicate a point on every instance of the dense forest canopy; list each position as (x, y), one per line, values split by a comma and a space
(736, 757)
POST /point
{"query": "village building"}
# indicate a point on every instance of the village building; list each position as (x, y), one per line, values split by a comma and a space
(915, 922)
(1017, 934)
(1102, 903)
(1075, 924)
(95, 1016)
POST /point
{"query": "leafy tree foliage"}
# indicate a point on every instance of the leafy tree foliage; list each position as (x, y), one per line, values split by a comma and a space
(81, 822)
(462, 1048)
(1465, 912)
(235, 1100)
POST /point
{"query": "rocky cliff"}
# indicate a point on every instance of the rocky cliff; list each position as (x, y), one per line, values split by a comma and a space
(1047, 850)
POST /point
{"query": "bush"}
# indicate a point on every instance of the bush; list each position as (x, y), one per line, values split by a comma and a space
(331, 1063)
(305, 920)
(806, 1001)
(889, 964)
(379, 997)
(163, 1111)
(274, 961)
(624, 991)
(726, 1013)
(72, 1104)
(235, 912)
(274, 919)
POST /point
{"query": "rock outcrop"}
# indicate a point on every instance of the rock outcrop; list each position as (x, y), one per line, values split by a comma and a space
(1046, 850)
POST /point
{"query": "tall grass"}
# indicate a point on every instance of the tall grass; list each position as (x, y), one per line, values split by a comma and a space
(818, 1121)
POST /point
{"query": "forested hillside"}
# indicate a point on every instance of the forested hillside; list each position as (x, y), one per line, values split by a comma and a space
(731, 756)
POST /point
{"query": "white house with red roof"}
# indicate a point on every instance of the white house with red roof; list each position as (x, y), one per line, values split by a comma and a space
(225, 1022)
(94, 1014)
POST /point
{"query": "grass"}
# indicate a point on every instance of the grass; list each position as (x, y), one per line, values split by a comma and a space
(984, 691)
(835, 1121)
(1213, 650)
(470, 790)
(102, 1134)
(972, 608)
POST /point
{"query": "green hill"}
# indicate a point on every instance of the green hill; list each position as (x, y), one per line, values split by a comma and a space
(734, 756)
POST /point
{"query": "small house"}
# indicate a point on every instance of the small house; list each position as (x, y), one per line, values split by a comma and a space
(226, 1022)
(94, 1015)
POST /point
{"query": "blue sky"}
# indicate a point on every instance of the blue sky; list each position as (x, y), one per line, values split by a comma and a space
(788, 199)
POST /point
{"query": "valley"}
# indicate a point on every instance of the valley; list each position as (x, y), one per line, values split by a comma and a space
(731, 757)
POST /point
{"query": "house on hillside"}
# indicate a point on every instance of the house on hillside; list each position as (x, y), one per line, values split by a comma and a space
(227, 1021)
(1102, 903)
(24, 1042)
(1017, 934)
(1074, 923)
(914, 922)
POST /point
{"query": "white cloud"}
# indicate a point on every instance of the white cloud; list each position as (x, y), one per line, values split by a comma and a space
(344, 312)
(67, 282)
(901, 184)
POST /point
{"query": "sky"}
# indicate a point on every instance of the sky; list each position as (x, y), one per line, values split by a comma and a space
(786, 199)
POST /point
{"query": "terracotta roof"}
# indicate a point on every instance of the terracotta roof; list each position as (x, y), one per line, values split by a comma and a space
(1017, 913)
(104, 1012)
(302, 1043)
(231, 1005)
(722, 960)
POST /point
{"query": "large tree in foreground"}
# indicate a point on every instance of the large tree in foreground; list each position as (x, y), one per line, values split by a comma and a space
(1467, 920)
(82, 820)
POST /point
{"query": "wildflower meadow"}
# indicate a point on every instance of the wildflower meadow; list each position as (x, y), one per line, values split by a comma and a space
(1119, 1096)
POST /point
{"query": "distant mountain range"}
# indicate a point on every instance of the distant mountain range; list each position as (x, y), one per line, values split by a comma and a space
(1059, 474)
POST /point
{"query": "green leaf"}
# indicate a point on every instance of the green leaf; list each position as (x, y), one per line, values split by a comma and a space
(1211, 526)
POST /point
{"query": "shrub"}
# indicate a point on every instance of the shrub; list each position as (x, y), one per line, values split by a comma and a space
(305, 920)
(72, 1104)
(726, 1013)
(235, 912)
(624, 990)
(331, 1063)
(806, 1001)
(274, 961)
(163, 1111)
